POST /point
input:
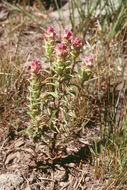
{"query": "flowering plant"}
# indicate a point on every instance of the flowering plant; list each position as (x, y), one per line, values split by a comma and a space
(76, 46)
(86, 69)
(49, 38)
(67, 36)
(34, 73)
(52, 100)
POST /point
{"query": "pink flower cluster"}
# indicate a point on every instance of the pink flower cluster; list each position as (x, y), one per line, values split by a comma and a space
(68, 45)
(61, 50)
(76, 43)
(35, 68)
(50, 33)
(67, 35)
(88, 61)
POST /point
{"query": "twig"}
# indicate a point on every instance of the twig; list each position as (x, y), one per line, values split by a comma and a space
(83, 174)
(4, 143)
(65, 186)
(46, 179)
(53, 182)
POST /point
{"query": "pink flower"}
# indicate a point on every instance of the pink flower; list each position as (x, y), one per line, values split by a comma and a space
(67, 35)
(35, 68)
(61, 50)
(50, 33)
(77, 43)
(50, 29)
(88, 61)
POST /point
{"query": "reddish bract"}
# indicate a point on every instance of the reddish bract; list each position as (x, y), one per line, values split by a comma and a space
(88, 61)
(35, 68)
(50, 33)
(61, 50)
(67, 34)
(76, 43)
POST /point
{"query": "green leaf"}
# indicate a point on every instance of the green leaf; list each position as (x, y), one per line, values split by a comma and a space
(53, 84)
(53, 94)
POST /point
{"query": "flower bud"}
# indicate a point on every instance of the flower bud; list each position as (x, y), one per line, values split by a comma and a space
(75, 47)
(49, 44)
(67, 36)
(76, 43)
(88, 61)
(35, 68)
(61, 50)
(50, 33)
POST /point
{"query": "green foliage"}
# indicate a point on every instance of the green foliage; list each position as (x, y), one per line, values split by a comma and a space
(52, 108)
(34, 107)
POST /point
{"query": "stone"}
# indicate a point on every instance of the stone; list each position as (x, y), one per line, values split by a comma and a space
(10, 181)
(87, 179)
(61, 18)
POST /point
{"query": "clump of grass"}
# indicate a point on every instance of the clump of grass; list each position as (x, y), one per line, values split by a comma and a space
(107, 30)
(13, 83)
(109, 155)
(107, 13)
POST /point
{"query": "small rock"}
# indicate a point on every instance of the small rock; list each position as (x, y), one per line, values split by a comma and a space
(87, 179)
(10, 181)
